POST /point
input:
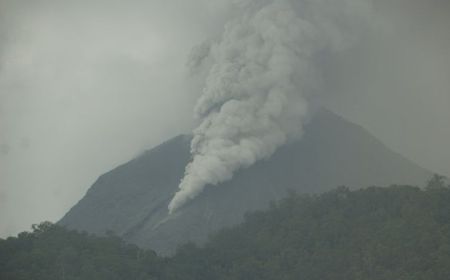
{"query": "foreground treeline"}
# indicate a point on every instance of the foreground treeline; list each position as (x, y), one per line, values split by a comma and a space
(51, 252)
(400, 232)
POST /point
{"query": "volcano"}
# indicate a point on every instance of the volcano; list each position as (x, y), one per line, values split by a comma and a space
(132, 199)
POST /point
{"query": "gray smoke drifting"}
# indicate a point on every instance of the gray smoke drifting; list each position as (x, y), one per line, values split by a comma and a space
(262, 77)
(85, 85)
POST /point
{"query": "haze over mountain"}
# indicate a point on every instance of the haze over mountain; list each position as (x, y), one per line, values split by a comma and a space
(132, 199)
(87, 85)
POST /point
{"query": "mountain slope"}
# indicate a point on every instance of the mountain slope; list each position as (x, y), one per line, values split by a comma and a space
(398, 232)
(132, 199)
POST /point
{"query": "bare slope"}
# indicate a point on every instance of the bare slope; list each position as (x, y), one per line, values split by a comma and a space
(132, 199)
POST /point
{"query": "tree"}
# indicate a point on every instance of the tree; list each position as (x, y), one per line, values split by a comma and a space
(437, 182)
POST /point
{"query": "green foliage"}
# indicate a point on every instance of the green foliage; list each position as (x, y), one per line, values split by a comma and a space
(400, 232)
(52, 252)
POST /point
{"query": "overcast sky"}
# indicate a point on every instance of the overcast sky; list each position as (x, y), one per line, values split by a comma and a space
(88, 85)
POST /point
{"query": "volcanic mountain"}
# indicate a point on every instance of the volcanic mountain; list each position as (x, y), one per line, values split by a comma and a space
(132, 199)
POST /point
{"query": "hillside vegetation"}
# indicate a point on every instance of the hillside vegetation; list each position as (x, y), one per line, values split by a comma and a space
(400, 232)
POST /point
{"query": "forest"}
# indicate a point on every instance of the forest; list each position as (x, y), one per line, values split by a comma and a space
(396, 232)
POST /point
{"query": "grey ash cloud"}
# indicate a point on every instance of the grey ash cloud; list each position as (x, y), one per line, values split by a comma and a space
(91, 84)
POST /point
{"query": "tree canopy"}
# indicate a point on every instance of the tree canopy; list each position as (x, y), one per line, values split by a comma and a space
(399, 232)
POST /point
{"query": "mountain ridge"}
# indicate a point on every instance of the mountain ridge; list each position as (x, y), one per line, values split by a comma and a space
(132, 199)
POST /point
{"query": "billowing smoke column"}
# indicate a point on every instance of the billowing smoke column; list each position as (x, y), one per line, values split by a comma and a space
(261, 76)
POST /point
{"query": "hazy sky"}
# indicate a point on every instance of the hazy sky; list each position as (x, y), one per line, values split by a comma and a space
(87, 85)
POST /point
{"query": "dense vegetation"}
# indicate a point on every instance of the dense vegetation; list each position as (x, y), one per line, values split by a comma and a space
(52, 252)
(400, 232)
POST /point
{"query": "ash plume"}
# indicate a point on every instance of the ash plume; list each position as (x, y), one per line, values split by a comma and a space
(261, 80)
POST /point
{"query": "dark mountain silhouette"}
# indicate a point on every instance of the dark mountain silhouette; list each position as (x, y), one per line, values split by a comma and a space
(132, 199)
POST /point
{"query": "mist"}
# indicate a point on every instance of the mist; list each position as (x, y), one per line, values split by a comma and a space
(395, 83)
(84, 87)
(263, 77)
(88, 85)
